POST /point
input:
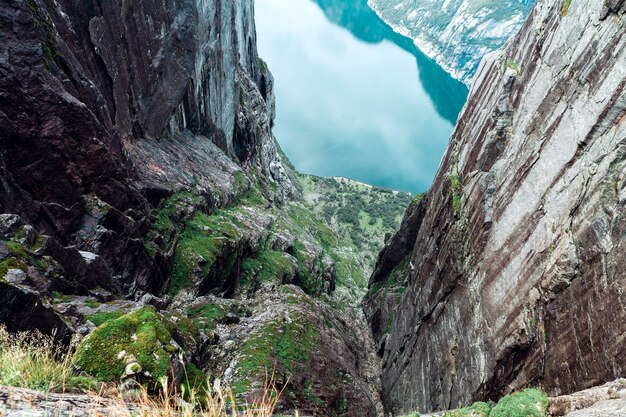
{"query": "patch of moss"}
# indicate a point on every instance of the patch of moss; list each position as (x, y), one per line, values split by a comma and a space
(170, 217)
(478, 409)
(307, 220)
(92, 303)
(57, 297)
(530, 402)
(203, 236)
(268, 266)
(140, 333)
(11, 263)
(286, 345)
(24, 257)
(50, 47)
(208, 315)
(455, 186)
(102, 317)
(307, 392)
(310, 283)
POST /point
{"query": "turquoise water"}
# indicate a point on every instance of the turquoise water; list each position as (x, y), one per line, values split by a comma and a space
(354, 99)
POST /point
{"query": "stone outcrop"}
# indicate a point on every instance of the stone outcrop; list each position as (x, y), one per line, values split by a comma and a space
(517, 264)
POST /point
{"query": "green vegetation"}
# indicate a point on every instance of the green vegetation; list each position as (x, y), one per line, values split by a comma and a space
(141, 334)
(566, 6)
(36, 361)
(479, 409)
(207, 316)
(456, 187)
(202, 239)
(262, 64)
(307, 391)
(269, 265)
(57, 297)
(510, 64)
(358, 216)
(530, 402)
(102, 317)
(284, 345)
(20, 258)
(50, 47)
(11, 263)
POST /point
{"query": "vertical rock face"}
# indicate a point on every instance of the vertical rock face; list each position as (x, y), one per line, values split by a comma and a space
(108, 106)
(455, 33)
(516, 271)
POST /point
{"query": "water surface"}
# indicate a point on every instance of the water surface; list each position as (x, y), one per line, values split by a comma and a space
(355, 99)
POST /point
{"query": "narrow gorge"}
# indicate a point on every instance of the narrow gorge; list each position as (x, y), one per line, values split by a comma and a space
(153, 230)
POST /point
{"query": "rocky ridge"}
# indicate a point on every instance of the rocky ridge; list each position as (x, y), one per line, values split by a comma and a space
(513, 259)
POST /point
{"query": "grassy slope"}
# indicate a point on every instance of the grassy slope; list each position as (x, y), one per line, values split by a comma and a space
(360, 214)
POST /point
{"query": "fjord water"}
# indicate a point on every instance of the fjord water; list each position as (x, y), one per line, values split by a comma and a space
(354, 98)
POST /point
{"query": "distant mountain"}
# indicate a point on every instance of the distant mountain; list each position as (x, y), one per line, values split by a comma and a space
(455, 33)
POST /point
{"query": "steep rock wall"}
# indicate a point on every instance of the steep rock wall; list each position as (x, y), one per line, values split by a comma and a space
(108, 106)
(516, 271)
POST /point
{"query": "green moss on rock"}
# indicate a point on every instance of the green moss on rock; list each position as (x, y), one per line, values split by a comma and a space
(208, 315)
(530, 402)
(478, 409)
(284, 345)
(104, 316)
(268, 266)
(140, 333)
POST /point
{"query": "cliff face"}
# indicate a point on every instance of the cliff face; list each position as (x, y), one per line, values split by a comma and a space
(107, 107)
(455, 33)
(515, 256)
(139, 177)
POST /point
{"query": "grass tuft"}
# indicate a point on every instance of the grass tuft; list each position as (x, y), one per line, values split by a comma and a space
(33, 360)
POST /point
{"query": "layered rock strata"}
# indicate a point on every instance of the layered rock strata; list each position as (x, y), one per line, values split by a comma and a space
(516, 254)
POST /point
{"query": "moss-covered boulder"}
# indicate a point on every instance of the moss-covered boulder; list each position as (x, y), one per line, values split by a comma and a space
(141, 337)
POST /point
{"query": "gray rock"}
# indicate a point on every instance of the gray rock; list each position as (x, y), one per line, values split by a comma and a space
(16, 276)
(28, 235)
(9, 223)
(4, 251)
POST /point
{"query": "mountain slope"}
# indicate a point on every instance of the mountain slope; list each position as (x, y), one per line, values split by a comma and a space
(455, 33)
(513, 260)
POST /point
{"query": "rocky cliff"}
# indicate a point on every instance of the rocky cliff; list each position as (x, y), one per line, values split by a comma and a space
(455, 33)
(107, 107)
(140, 183)
(513, 261)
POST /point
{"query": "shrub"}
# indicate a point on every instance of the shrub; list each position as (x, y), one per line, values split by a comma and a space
(530, 402)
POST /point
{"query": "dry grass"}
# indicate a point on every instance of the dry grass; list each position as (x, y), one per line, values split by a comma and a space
(218, 401)
(32, 360)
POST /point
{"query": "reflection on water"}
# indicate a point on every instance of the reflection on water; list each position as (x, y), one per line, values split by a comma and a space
(448, 95)
(351, 100)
